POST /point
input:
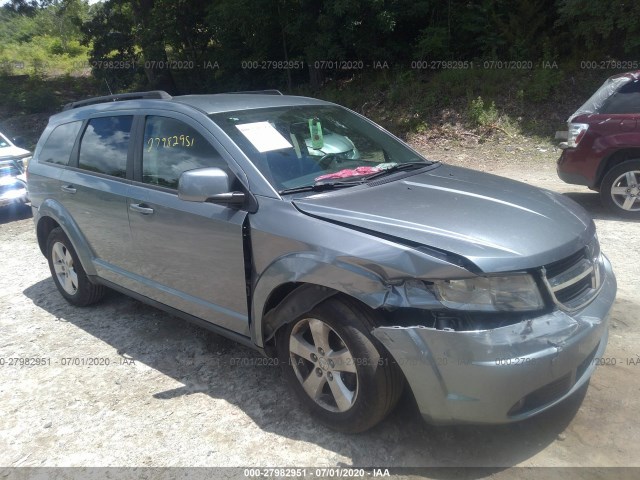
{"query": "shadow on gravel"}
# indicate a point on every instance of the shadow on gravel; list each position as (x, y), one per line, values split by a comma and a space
(11, 213)
(210, 364)
(590, 201)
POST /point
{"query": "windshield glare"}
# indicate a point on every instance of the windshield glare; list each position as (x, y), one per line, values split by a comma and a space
(303, 145)
(4, 142)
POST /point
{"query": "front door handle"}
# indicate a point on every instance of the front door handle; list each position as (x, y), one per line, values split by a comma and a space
(141, 208)
(68, 189)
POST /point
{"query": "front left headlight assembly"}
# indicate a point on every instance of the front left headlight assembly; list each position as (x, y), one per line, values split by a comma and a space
(510, 293)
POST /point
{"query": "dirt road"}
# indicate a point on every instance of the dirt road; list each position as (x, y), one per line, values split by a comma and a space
(156, 391)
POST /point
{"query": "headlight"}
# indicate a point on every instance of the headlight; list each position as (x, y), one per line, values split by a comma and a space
(513, 293)
(26, 160)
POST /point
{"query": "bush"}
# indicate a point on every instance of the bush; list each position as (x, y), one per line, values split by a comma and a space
(543, 83)
(37, 96)
(481, 115)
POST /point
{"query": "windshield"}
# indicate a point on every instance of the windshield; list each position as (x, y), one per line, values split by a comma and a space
(301, 146)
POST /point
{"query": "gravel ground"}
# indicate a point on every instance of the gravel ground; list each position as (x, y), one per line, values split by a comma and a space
(175, 395)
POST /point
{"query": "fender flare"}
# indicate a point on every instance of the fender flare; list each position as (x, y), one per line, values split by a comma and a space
(608, 162)
(319, 280)
(295, 304)
(54, 210)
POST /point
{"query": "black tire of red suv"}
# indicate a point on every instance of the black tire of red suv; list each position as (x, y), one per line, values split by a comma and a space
(620, 189)
(65, 266)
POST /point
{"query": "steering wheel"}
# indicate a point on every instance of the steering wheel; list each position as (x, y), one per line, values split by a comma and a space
(327, 158)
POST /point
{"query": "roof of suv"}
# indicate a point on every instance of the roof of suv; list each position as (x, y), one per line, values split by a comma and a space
(210, 104)
(226, 102)
(633, 75)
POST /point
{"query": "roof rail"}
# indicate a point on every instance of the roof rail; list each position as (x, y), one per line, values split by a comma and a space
(263, 92)
(154, 94)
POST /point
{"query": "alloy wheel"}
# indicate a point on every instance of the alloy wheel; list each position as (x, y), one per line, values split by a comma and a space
(625, 191)
(324, 365)
(63, 266)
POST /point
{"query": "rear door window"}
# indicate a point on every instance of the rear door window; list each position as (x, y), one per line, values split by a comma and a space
(58, 146)
(105, 145)
(625, 100)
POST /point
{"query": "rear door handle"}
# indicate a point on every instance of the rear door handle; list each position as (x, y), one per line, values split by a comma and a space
(68, 189)
(141, 208)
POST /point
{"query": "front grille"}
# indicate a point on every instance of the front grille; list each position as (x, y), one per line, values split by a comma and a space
(574, 281)
(576, 290)
(556, 268)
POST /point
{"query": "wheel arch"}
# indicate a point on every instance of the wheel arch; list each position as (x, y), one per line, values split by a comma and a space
(52, 215)
(43, 229)
(294, 285)
(615, 159)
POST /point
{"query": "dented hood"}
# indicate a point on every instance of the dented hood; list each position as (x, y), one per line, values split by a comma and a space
(496, 223)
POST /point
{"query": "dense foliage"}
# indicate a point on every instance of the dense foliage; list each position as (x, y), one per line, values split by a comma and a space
(412, 65)
(42, 38)
(252, 43)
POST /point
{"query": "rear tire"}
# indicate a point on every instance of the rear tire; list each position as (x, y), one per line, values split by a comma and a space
(339, 371)
(620, 189)
(67, 272)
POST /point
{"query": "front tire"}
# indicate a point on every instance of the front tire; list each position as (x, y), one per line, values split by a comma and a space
(620, 189)
(67, 272)
(338, 370)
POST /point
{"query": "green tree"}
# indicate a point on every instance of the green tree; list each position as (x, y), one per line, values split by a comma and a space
(110, 33)
(45, 37)
(23, 7)
(131, 30)
(601, 29)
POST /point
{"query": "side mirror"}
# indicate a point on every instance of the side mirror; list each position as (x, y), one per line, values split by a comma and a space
(208, 185)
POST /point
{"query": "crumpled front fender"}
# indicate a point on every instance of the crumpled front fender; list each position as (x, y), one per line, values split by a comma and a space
(503, 374)
(328, 279)
(307, 269)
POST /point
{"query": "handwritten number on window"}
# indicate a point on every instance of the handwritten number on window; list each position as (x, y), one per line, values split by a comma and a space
(186, 141)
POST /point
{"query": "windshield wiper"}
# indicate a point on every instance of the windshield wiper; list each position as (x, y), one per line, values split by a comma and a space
(319, 187)
(397, 168)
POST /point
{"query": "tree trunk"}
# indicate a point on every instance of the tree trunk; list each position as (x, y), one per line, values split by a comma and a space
(284, 48)
(314, 75)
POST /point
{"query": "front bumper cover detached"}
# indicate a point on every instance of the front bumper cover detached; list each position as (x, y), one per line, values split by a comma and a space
(504, 374)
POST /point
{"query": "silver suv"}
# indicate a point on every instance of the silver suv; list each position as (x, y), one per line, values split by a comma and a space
(362, 271)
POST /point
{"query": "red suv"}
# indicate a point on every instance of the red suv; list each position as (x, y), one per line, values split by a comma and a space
(603, 144)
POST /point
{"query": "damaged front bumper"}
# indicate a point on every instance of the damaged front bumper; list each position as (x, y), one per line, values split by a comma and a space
(503, 374)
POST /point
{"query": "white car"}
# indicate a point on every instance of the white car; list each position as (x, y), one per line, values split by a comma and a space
(13, 183)
(9, 151)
